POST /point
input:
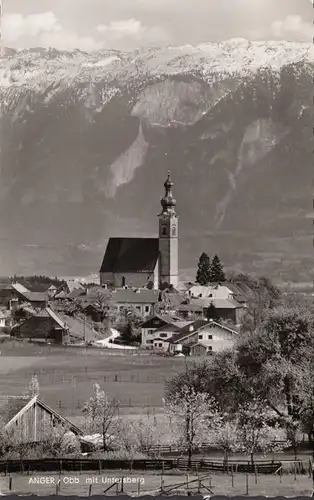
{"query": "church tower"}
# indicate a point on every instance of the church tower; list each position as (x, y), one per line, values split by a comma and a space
(168, 238)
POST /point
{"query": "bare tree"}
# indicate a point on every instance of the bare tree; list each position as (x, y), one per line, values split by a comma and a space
(257, 430)
(33, 387)
(58, 440)
(5, 439)
(192, 416)
(100, 413)
(225, 437)
(138, 436)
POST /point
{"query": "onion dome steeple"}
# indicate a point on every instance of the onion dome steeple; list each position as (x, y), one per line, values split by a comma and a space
(168, 202)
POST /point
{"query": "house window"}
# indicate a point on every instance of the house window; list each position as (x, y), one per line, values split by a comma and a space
(149, 341)
(164, 335)
(150, 332)
(138, 308)
(146, 309)
(160, 344)
(210, 348)
(210, 336)
(200, 337)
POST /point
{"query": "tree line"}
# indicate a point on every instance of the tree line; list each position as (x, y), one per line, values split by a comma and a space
(263, 386)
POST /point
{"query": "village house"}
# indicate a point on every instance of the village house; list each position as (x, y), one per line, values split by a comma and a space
(202, 337)
(7, 293)
(45, 326)
(142, 300)
(226, 309)
(194, 338)
(228, 304)
(51, 291)
(30, 416)
(14, 294)
(37, 300)
(69, 286)
(159, 326)
(11, 294)
(213, 291)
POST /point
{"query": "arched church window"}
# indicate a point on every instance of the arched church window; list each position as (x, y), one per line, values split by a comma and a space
(164, 230)
(173, 230)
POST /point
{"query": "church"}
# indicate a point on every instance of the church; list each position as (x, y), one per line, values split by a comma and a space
(146, 262)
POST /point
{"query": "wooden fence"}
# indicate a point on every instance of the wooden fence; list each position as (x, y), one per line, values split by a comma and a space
(83, 465)
(162, 450)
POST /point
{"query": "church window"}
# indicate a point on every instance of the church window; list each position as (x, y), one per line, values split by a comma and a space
(164, 230)
(173, 230)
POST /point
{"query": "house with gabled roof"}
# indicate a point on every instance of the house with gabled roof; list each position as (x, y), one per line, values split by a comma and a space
(210, 334)
(158, 324)
(45, 326)
(29, 416)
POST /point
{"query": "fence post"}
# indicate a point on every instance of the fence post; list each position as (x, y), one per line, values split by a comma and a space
(162, 483)
(121, 485)
(10, 483)
(90, 490)
(246, 483)
(232, 476)
(255, 470)
(295, 471)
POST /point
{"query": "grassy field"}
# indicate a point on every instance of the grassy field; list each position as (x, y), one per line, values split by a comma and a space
(150, 483)
(66, 375)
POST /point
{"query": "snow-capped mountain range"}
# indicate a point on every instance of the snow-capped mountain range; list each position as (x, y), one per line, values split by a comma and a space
(86, 140)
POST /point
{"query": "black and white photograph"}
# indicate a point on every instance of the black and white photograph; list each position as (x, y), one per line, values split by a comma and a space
(156, 248)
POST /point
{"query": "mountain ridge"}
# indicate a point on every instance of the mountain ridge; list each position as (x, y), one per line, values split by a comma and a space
(86, 140)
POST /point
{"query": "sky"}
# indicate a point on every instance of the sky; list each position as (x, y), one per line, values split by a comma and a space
(127, 24)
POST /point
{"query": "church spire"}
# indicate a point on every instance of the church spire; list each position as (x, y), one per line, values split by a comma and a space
(168, 202)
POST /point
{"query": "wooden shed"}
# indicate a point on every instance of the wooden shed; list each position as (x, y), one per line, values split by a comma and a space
(30, 417)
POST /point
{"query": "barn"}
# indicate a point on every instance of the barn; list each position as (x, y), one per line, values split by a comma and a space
(30, 416)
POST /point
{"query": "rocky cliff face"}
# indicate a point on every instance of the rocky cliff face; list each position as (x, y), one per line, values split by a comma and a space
(86, 140)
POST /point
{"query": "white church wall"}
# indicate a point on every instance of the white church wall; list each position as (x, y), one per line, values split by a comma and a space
(138, 279)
